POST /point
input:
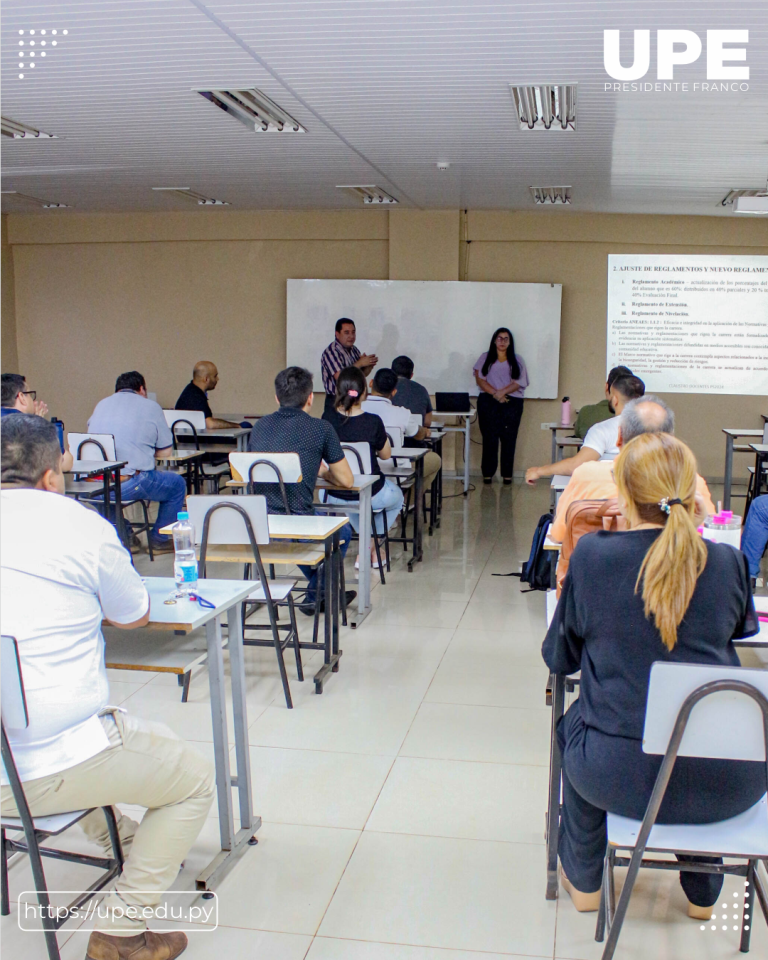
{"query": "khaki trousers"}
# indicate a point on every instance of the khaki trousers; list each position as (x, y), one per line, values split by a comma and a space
(432, 464)
(148, 765)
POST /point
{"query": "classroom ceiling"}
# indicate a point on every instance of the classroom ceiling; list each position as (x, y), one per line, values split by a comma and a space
(385, 89)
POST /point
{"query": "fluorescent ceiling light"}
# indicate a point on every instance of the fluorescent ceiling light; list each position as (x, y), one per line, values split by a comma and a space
(545, 106)
(36, 200)
(20, 131)
(369, 193)
(551, 195)
(254, 109)
(189, 194)
(757, 205)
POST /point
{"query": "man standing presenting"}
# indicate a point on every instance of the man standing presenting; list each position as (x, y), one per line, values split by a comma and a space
(194, 396)
(342, 353)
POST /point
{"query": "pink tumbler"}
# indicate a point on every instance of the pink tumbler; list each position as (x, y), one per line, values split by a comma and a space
(565, 416)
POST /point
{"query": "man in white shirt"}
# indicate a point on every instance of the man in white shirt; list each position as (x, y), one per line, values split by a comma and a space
(63, 571)
(379, 401)
(601, 440)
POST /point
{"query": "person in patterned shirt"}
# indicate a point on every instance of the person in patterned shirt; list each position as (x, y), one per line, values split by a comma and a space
(342, 353)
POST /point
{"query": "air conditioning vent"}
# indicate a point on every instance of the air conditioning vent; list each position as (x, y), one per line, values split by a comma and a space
(734, 195)
(192, 195)
(369, 193)
(551, 195)
(20, 131)
(254, 110)
(46, 204)
(545, 106)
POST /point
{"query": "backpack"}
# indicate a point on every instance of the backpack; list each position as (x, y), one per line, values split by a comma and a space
(537, 570)
(583, 517)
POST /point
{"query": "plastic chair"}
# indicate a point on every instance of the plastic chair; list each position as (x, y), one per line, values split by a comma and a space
(280, 468)
(243, 521)
(184, 425)
(86, 446)
(36, 829)
(358, 456)
(695, 710)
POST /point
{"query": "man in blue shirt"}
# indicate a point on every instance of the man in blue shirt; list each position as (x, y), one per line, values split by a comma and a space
(291, 429)
(141, 433)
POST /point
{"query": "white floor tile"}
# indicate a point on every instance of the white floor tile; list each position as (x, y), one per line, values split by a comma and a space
(463, 894)
(326, 948)
(452, 798)
(398, 611)
(313, 787)
(489, 734)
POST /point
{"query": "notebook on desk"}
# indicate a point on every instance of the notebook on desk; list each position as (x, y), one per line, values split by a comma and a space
(452, 403)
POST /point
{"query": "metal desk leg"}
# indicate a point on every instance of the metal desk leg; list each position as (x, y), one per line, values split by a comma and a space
(119, 520)
(466, 454)
(554, 444)
(231, 843)
(331, 618)
(728, 472)
(555, 773)
(337, 561)
(240, 716)
(364, 574)
(418, 516)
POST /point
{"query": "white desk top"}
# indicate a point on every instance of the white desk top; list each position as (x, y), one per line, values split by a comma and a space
(409, 453)
(179, 456)
(550, 544)
(90, 467)
(759, 447)
(231, 432)
(186, 614)
(443, 413)
(559, 426)
(761, 604)
(559, 482)
(737, 432)
(360, 482)
(282, 527)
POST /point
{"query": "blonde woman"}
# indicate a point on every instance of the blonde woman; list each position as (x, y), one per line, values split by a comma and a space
(655, 592)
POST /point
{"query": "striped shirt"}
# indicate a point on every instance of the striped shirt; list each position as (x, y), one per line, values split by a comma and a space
(335, 358)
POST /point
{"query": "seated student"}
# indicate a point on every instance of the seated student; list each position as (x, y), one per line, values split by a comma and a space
(353, 425)
(601, 440)
(754, 537)
(380, 401)
(593, 413)
(291, 429)
(655, 592)
(63, 572)
(411, 394)
(141, 432)
(18, 398)
(594, 480)
(194, 396)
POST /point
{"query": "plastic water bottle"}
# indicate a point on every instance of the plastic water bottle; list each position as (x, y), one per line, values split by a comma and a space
(185, 561)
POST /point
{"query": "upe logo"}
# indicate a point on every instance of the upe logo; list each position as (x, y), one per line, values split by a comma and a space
(677, 48)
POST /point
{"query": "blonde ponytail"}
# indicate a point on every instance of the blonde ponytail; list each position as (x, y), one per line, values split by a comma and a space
(656, 477)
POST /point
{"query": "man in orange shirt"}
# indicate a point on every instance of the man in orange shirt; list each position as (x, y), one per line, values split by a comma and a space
(594, 480)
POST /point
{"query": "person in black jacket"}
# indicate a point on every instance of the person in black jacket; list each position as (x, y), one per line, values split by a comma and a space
(657, 591)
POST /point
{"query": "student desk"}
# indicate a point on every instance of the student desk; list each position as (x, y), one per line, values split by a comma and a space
(555, 428)
(191, 458)
(436, 414)
(730, 435)
(236, 435)
(175, 653)
(110, 471)
(435, 442)
(562, 443)
(317, 530)
(559, 483)
(415, 469)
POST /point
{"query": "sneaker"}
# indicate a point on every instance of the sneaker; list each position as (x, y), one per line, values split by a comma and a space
(162, 546)
(308, 609)
(147, 946)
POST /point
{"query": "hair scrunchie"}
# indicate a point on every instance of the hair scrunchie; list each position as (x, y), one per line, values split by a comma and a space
(665, 503)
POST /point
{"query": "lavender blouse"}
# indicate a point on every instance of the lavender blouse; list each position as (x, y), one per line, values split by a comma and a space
(498, 375)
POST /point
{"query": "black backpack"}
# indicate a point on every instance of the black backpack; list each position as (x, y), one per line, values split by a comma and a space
(537, 570)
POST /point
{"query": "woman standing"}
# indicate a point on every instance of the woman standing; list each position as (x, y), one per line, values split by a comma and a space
(654, 592)
(501, 375)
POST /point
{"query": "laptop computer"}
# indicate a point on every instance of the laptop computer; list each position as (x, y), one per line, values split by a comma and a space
(452, 403)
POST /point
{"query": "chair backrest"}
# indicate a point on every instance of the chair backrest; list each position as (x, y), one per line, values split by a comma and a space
(227, 526)
(395, 435)
(288, 465)
(195, 417)
(92, 446)
(726, 725)
(586, 516)
(14, 703)
(358, 456)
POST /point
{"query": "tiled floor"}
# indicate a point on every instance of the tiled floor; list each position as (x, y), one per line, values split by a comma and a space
(404, 808)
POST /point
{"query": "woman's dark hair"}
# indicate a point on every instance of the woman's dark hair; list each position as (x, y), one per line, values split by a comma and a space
(132, 380)
(493, 356)
(350, 379)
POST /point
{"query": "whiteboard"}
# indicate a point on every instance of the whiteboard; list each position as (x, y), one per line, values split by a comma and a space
(443, 326)
(690, 324)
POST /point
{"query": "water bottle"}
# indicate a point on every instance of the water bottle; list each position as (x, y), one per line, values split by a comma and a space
(185, 561)
(565, 412)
